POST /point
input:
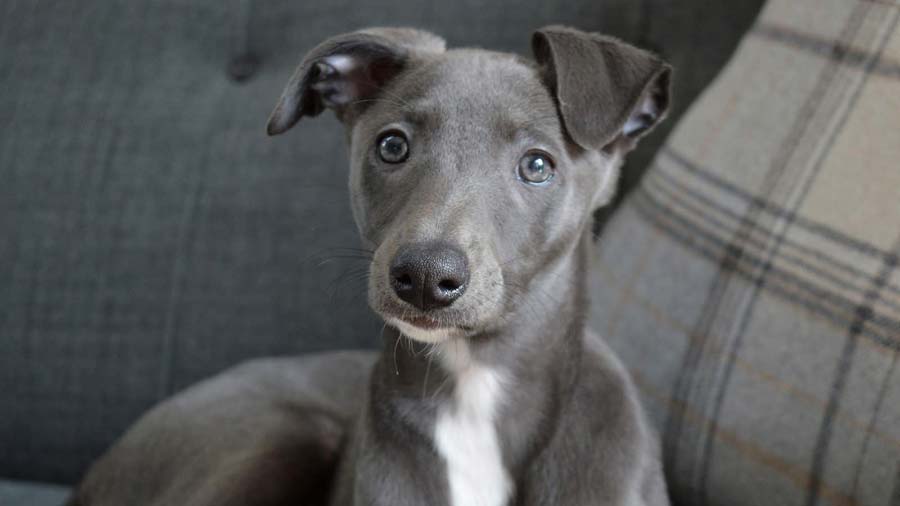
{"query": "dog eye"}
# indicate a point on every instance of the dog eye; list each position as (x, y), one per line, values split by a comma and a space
(393, 147)
(536, 168)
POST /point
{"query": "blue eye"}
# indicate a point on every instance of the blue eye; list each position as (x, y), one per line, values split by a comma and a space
(536, 168)
(393, 147)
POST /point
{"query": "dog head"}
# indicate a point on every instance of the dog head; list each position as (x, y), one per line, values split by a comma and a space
(472, 171)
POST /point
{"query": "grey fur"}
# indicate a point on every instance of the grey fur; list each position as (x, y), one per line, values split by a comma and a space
(571, 429)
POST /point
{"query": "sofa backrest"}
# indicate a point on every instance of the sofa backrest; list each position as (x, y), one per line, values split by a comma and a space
(151, 234)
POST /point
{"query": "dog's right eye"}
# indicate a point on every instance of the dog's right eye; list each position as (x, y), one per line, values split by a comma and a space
(536, 168)
(393, 147)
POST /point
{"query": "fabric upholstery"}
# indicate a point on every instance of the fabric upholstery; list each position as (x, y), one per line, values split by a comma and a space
(751, 282)
(151, 235)
(15, 493)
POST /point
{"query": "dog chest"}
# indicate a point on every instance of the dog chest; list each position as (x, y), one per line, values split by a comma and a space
(466, 437)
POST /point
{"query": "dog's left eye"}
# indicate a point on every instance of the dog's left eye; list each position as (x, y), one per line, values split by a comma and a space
(536, 168)
(393, 147)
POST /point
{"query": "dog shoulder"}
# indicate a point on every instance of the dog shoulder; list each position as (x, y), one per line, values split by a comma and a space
(605, 378)
(613, 412)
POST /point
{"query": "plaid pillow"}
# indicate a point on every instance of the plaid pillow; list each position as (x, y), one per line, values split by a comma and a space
(752, 284)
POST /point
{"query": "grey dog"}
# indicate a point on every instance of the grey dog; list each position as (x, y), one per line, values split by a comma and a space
(473, 177)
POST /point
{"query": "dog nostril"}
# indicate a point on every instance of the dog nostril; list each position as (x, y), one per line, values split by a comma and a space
(403, 280)
(448, 285)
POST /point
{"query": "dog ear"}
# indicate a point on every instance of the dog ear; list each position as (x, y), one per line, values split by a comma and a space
(606, 90)
(346, 70)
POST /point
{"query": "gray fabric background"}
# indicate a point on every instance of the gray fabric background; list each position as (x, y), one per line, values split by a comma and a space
(151, 235)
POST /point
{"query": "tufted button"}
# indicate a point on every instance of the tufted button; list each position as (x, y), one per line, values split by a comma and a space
(242, 67)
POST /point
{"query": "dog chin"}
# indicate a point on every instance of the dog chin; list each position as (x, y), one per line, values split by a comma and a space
(428, 336)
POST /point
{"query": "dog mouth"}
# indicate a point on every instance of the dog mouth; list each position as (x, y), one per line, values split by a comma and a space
(424, 322)
(427, 329)
(410, 317)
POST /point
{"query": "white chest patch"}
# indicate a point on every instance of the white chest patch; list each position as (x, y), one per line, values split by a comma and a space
(465, 434)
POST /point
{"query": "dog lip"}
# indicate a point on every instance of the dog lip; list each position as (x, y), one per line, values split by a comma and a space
(424, 322)
(429, 323)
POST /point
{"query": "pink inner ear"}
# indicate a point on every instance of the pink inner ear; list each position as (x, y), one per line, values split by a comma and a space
(349, 81)
(642, 117)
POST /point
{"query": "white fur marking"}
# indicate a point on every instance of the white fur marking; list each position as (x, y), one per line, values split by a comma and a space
(465, 434)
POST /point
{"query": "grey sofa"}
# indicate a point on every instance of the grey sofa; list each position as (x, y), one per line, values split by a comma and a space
(151, 235)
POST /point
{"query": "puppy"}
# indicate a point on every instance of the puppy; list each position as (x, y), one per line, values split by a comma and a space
(473, 178)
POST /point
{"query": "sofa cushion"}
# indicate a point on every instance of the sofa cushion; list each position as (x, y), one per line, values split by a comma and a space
(751, 283)
(20, 493)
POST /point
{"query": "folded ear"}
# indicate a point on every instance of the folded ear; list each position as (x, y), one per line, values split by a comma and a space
(344, 71)
(606, 90)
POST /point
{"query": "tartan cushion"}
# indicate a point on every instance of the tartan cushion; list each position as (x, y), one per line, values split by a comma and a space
(751, 283)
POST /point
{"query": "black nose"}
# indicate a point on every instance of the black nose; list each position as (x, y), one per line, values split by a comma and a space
(429, 275)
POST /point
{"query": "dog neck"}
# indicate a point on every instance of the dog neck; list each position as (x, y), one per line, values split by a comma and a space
(519, 377)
